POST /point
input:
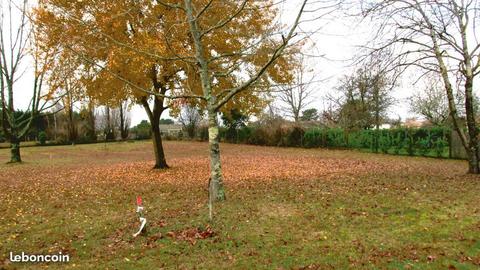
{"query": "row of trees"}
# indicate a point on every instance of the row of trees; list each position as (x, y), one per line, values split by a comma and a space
(361, 100)
(432, 39)
(88, 123)
(79, 125)
(436, 38)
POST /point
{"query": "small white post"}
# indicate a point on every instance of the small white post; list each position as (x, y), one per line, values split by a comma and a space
(143, 220)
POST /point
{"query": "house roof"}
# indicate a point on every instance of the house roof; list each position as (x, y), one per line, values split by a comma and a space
(170, 127)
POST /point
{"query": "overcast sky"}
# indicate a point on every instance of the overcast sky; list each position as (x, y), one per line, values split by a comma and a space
(331, 49)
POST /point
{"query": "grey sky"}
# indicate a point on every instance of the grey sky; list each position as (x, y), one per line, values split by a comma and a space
(336, 42)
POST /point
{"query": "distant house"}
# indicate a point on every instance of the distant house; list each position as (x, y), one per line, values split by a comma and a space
(171, 130)
(415, 123)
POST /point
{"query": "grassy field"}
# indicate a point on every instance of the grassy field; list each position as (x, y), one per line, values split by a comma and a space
(24, 144)
(286, 209)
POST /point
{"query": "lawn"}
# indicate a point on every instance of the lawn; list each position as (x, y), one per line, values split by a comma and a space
(286, 208)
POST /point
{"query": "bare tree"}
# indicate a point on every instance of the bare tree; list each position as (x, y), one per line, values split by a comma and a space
(90, 131)
(124, 119)
(364, 98)
(17, 43)
(330, 115)
(68, 107)
(431, 102)
(106, 121)
(190, 118)
(437, 37)
(298, 95)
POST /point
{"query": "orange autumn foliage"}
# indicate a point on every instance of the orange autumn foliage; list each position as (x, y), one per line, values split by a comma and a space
(116, 44)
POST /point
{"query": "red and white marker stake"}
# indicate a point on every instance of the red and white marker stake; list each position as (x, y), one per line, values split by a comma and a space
(143, 220)
(139, 201)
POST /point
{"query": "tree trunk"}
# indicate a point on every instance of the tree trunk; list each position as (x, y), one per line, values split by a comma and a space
(109, 132)
(216, 183)
(473, 147)
(376, 93)
(15, 150)
(160, 162)
(468, 72)
(72, 132)
(470, 143)
(123, 120)
(473, 166)
(154, 117)
(296, 116)
(91, 122)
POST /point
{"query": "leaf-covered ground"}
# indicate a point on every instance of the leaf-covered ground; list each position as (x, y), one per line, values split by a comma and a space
(286, 209)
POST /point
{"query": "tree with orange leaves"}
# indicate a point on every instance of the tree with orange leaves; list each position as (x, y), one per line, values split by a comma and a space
(235, 50)
(119, 54)
(216, 54)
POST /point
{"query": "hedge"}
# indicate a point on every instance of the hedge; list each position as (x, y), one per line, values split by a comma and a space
(400, 141)
(411, 141)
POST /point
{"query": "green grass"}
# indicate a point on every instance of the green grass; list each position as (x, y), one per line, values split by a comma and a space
(27, 144)
(286, 209)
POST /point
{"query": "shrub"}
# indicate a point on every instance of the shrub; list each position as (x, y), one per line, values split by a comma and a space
(384, 143)
(424, 146)
(142, 131)
(361, 139)
(42, 137)
(295, 137)
(336, 138)
(243, 134)
(440, 145)
(83, 139)
(168, 137)
(279, 137)
(354, 139)
(414, 141)
(410, 142)
(203, 133)
(231, 135)
(258, 137)
(313, 138)
(398, 143)
(236, 135)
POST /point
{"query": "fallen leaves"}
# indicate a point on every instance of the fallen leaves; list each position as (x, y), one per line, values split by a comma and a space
(151, 240)
(191, 235)
(83, 198)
